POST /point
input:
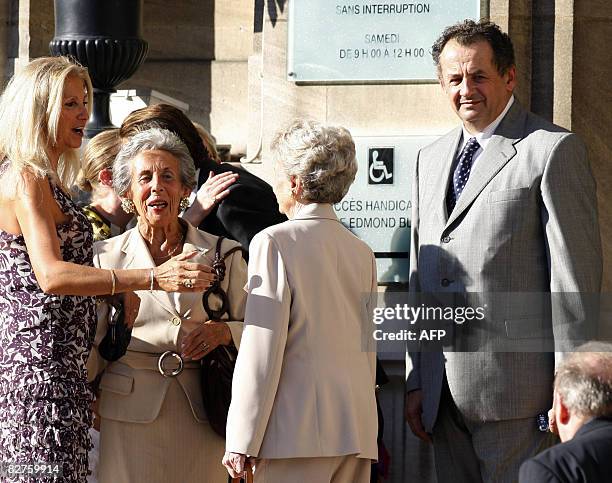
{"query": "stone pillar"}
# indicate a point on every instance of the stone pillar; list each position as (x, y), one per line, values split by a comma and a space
(5, 40)
(543, 58)
(181, 47)
(198, 53)
(514, 17)
(229, 109)
(274, 100)
(36, 26)
(563, 41)
(578, 83)
(591, 106)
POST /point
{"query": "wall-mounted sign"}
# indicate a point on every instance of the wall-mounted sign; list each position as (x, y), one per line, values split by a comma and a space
(380, 165)
(377, 207)
(368, 41)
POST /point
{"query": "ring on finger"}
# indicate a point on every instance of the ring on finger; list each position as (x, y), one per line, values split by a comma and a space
(204, 347)
(188, 283)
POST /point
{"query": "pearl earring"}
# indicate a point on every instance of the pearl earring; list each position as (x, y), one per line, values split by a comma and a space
(184, 204)
(128, 205)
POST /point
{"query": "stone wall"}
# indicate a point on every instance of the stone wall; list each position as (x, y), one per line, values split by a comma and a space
(591, 101)
(198, 51)
(198, 55)
(563, 70)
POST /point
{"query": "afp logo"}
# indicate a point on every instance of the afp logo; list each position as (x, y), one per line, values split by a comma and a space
(380, 165)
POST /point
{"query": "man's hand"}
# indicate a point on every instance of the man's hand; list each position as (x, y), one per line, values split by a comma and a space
(552, 422)
(413, 411)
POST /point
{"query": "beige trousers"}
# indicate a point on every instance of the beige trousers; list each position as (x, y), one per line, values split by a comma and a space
(336, 469)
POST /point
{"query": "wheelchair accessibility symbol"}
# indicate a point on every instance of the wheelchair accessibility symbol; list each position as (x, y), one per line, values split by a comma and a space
(380, 165)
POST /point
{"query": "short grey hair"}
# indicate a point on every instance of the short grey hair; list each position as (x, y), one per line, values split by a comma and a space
(148, 140)
(322, 157)
(584, 380)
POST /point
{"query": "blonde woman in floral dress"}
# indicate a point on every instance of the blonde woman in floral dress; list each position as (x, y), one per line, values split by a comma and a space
(47, 312)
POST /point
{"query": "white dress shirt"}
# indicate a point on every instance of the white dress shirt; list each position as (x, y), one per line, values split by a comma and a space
(484, 136)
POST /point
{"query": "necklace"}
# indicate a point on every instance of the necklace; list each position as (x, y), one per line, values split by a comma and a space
(172, 252)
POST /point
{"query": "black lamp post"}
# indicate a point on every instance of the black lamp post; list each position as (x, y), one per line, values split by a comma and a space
(105, 37)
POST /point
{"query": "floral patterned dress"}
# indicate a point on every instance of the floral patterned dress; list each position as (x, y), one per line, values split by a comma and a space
(44, 345)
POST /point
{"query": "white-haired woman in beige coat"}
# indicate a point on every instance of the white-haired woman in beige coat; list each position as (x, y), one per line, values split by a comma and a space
(303, 405)
(153, 424)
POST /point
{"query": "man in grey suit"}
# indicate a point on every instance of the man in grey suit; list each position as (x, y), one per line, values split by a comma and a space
(504, 209)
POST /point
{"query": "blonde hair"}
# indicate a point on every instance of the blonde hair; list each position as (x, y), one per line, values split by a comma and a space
(99, 154)
(30, 109)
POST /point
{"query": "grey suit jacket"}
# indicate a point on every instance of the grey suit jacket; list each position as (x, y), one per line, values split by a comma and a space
(524, 228)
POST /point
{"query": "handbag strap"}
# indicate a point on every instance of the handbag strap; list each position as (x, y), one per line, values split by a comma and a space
(248, 476)
(219, 269)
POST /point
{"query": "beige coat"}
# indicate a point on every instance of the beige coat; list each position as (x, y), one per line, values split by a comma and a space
(304, 380)
(134, 392)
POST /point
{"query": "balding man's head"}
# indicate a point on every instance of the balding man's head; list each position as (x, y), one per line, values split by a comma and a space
(584, 380)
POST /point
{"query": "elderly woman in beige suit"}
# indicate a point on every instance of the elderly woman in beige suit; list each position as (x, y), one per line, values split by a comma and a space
(153, 424)
(303, 406)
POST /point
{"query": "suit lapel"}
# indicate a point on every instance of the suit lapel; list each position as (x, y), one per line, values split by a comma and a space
(138, 256)
(194, 241)
(499, 151)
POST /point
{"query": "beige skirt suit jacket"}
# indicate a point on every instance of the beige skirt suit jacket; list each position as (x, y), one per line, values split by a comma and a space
(304, 381)
(154, 428)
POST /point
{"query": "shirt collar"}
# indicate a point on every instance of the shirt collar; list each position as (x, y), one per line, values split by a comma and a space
(315, 210)
(486, 134)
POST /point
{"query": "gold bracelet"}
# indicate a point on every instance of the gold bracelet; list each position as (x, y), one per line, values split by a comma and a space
(113, 282)
(152, 280)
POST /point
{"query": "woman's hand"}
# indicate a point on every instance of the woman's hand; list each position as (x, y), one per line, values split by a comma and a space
(95, 404)
(131, 305)
(235, 464)
(205, 338)
(214, 189)
(128, 302)
(180, 275)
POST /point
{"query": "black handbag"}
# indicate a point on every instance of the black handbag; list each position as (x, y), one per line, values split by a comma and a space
(117, 339)
(217, 367)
